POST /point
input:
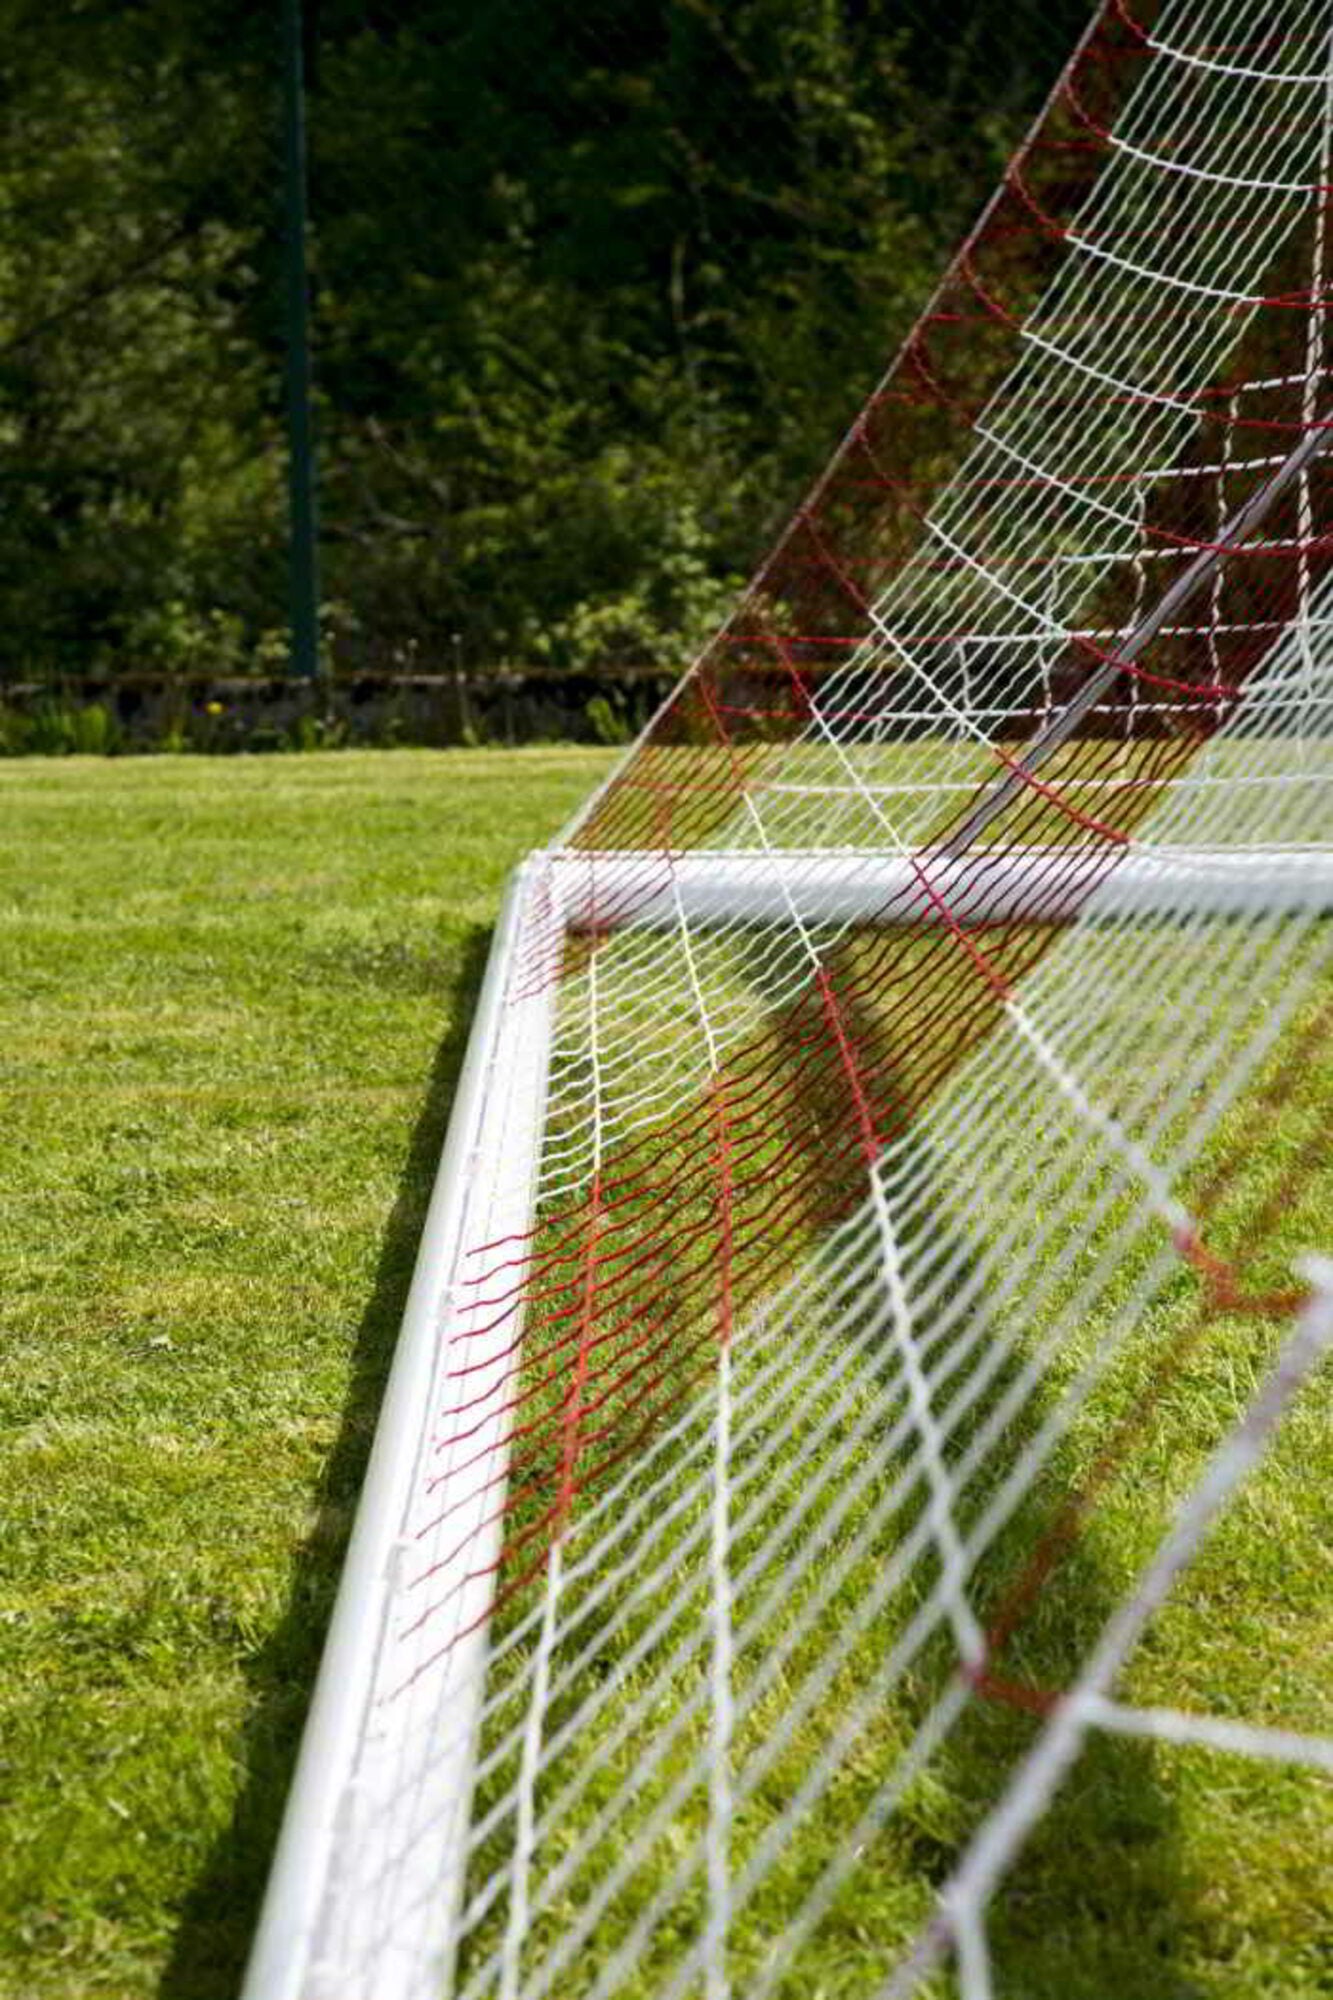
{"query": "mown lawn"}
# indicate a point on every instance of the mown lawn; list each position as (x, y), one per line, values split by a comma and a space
(1159, 1873)
(233, 1000)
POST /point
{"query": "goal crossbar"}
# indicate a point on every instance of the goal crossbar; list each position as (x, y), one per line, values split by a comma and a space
(358, 1738)
(600, 891)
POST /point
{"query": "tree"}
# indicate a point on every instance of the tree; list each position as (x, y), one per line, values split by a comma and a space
(596, 287)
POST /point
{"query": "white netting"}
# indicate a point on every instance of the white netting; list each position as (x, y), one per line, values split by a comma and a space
(861, 1159)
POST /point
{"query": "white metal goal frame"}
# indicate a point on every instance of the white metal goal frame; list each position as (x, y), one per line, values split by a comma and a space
(1131, 508)
(363, 1737)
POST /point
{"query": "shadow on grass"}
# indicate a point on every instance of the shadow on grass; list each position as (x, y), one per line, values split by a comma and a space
(1099, 1904)
(1096, 1905)
(219, 1915)
(1096, 1902)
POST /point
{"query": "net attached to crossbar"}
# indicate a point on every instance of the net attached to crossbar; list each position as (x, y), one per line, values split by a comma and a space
(852, 1161)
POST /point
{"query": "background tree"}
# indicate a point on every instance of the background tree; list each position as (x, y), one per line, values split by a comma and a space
(596, 288)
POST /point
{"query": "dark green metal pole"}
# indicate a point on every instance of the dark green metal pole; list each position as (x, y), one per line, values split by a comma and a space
(304, 554)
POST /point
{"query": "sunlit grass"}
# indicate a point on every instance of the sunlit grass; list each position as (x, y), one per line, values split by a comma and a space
(1158, 1872)
(233, 1005)
(232, 993)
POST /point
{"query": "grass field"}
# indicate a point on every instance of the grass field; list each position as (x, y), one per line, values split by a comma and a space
(1160, 1874)
(234, 996)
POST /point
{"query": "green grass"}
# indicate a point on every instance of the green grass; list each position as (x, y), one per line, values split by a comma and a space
(1159, 1874)
(233, 998)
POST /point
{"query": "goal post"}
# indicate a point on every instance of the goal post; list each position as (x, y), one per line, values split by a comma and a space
(394, 1715)
(884, 1096)
(350, 1758)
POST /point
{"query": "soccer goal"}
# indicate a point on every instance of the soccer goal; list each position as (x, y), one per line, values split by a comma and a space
(878, 1231)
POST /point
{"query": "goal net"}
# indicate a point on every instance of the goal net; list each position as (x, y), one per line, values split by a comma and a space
(880, 1174)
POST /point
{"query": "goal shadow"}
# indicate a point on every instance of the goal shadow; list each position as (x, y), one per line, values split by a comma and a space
(1101, 1901)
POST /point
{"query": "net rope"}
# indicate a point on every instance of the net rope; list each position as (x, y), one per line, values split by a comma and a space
(867, 1104)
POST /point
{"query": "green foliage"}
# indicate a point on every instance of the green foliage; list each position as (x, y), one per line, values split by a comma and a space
(608, 720)
(137, 462)
(60, 729)
(663, 274)
(595, 289)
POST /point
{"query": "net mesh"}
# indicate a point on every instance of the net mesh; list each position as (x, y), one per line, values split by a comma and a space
(863, 1161)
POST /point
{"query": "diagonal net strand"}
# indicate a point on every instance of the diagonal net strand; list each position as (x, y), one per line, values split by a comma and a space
(903, 1086)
